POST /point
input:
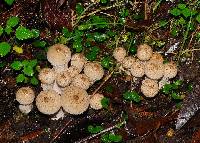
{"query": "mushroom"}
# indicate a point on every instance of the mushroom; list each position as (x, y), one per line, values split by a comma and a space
(47, 76)
(94, 71)
(63, 79)
(144, 52)
(157, 57)
(25, 95)
(26, 108)
(73, 71)
(78, 60)
(154, 70)
(59, 55)
(82, 81)
(149, 87)
(128, 62)
(119, 54)
(48, 102)
(137, 69)
(170, 70)
(74, 100)
(95, 101)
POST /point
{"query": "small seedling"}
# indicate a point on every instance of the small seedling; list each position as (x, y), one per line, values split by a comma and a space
(4, 48)
(94, 129)
(132, 96)
(105, 102)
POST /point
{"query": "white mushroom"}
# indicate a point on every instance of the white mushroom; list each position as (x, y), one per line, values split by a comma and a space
(137, 69)
(119, 54)
(95, 101)
(73, 71)
(82, 81)
(25, 95)
(63, 79)
(78, 60)
(154, 70)
(74, 100)
(94, 71)
(157, 57)
(170, 70)
(128, 62)
(144, 52)
(149, 87)
(26, 108)
(48, 102)
(47, 76)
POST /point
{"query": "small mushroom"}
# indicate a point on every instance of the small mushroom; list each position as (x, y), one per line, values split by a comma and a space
(95, 101)
(149, 87)
(74, 100)
(128, 62)
(94, 71)
(82, 81)
(119, 54)
(78, 60)
(154, 70)
(73, 71)
(144, 52)
(25, 95)
(137, 69)
(170, 70)
(47, 76)
(157, 57)
(63, 79)
(26, 108)
(48, 102)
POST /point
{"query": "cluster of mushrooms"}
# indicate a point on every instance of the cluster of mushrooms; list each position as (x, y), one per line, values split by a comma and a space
(146, 63)
(65, 85)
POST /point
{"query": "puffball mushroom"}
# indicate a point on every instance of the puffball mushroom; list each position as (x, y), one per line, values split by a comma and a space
(137, 69)
(157, 57)
(25, 95)
(149, 87)
(59, 55)
(128, 62)
(95, 101)
(82, 81)
(144, 52)
(48, 102)
(73, 71)
(119, 54)
(154, 70)
(47, 76)
(78, 60)
(26, 108)
(63, 79)
(94, 71)
(74, 100)
(170, 70)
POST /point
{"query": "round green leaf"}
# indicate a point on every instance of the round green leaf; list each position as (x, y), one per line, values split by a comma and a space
(20, 78)
(16, 65)
(4, 48)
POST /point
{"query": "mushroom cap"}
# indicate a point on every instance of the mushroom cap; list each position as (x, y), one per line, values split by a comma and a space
(157, 57)
(119, 54)
(78, 60)
(149, 87)
(48, 102)
(94, 71)
(144, 52)
(74, 100)
(137, 69)
(26, 108)
(170, 70)
(25, 95)
(63, 79)
(58, 54)
(95, 101)
(128, 62)
(154, 70)
(47, 76)
(82, 81)
(73, 71)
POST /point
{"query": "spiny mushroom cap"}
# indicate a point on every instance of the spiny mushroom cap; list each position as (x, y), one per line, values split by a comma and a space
(119, 54)
(63, 79)
(149, 87)
(78, 60)
(154, 70)
(82, 81)
(137, 69)
(47, 76)
(58, 54)
(144, 52)
(26, 108)
(25, 95)
(157, 57)
(74, 100)
(128, 62)
(94, 71)
(48, 102)
(170, 70)
(73, 71)
(95, 101)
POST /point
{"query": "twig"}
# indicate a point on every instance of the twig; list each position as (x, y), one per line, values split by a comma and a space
(145, 10)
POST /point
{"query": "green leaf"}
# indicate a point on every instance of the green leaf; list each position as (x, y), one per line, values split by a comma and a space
(178, 82)
(77, 45)
(39, 44)
(92, 55)
(8, 30)
(105, 138)
(79, 8)
(36, 33)
(85, 27)
(12, 21)
(23, 33)
(115, 138)
(94, 129)
(1, 30)
(175, 12)
(181, 6)
(34, 81)
(98, 37)
(109, 88)
(99, 21)
(177, 96)
(66, 33)
(9, 2)
(25, 63)
(106, 62)
(198, 18)
(4, 48)
(103, 1)
(163, 23)
(2, 64)
(20, 78)
(28, 70)
(167, 88)
(32, 63)
(132, 96)
(124, 12)
(190, 87)
(174, 31)
(111, 33)
(182, 21)
(186, 12)
(133, 49)
(105, 102)
(16, 65)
